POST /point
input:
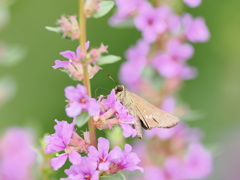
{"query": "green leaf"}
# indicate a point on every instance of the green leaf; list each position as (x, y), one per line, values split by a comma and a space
(109, 59)
(105, 7)
(82, 119)
(117, 176)
(53, 29)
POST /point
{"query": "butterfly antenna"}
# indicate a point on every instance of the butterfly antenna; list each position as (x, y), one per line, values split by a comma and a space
(102, 89)
(112, 79)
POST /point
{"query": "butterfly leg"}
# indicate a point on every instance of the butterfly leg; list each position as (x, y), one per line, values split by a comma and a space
(138, 128)
(137, 125)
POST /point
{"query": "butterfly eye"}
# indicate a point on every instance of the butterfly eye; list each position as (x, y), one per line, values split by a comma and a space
(119, 88)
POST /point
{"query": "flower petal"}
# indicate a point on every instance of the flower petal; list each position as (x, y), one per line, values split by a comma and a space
(68, 54)
(95, 175)
(72, 93)
(104, 166)
(128, 130)
(59, 161)
(74, 109)
(103, 147)
(74, 157)
(60, 64)
(93, 153)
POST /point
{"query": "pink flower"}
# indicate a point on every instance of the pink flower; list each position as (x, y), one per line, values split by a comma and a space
(85, 170)
(168, 67)
(195, 29)
(130, 72)
(74, 64)
(152, 22)
(198, 162)
(179, 51)
(172, 62)
(69, 27)
(175, 153)
(101, 154)
(193, 3)
(126, 9)
(79, 101)
(121, 160)
(100, 159)
(17, 156)
(61, 140)
(114, 113)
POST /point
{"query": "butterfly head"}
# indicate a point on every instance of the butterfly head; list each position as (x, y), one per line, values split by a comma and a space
(119, 88)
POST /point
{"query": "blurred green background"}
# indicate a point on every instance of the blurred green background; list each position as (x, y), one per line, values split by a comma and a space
(40, 89)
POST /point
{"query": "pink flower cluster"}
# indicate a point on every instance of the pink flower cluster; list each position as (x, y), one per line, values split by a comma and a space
(17, 156)
(101, 162)
(114, 113)
(98, 162)
(175, 153)
(107, 112)
(74, 65)
(163, 46)
(155, 68)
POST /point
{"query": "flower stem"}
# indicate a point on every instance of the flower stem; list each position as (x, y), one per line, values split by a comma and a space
(86, 81)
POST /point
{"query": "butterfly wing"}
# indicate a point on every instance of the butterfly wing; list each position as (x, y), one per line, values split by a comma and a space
(150, 115)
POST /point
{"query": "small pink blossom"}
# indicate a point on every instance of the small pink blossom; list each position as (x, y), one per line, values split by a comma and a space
(198, 162)
(101, 154)
(179, 51)
(195, 29)
(130, 72)
(85, 170)
(74, 65)
(17, 156)
(114, 113)
(169, 67)
(127, 9)
(65, 139)
(79, 101)
(69, 27)
(124, 160)
(151, 22)
(102, 160)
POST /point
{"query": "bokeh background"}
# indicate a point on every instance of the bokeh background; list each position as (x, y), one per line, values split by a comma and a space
(39, 98)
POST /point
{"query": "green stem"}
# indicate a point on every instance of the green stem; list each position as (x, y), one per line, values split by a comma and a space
(86, 81)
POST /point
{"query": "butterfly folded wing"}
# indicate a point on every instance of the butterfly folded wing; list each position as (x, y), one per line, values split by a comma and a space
(151, 116)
